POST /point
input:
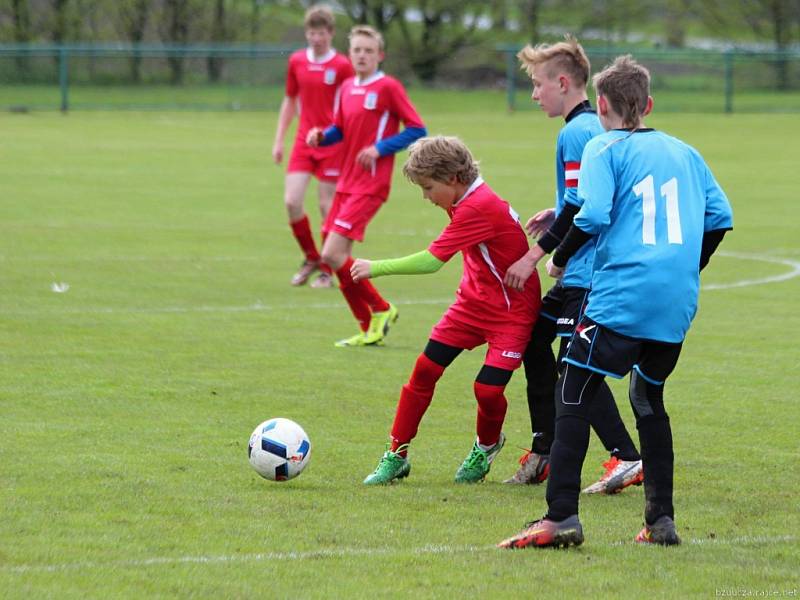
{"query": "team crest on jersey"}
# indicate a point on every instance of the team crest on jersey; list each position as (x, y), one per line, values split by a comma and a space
(371, 100)
(330, 76)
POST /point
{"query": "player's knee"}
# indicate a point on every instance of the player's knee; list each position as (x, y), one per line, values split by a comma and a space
(426, 372)
(333, 258)
(646, 398)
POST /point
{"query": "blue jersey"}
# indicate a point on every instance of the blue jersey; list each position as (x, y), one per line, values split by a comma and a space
(648, 197)
(582, 125)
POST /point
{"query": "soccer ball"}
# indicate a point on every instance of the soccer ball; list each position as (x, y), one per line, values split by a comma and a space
(279, 449)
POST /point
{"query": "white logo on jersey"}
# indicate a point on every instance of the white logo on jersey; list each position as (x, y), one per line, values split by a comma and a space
(582, 332)
(509, 354)
(565, 321)
(371, 100)
(330, 76)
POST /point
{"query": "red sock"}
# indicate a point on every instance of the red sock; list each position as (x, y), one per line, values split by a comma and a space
(491, 412)
(350, 291)
(302, 233)
(322, 266)
(371, 296)
(415, 397)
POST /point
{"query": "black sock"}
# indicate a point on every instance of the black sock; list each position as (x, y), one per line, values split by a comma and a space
(655, 438)
(566, 461)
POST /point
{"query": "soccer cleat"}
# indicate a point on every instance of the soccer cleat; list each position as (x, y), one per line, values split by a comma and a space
(323, 281)
(477, 464)
(391, 467)
(662, 532)
(359, 339)
(619, 475)
(546, 533)
(533, 468)
(379, 324)
(306, 270)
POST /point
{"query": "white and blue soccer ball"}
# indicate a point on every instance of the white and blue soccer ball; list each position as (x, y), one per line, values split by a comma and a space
(279, 449)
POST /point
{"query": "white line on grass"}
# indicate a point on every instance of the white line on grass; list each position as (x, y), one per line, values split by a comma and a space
(344, 553)
(761, 281)
(260, 307)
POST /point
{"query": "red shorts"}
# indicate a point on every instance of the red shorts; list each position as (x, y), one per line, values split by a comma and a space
(322, 163)
(505, 347)
(350, 214)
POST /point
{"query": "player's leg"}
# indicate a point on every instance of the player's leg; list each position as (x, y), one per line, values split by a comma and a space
(560, 526)
(541, 374)
(489, 388)
(326, 188)
(646, 393)
(350, 221)
(295, 185)
(336, 254)
(415, 397)
(624, 466)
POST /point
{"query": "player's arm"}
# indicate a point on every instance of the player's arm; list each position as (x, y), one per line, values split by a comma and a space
(324, 137)
(518, 273)
(718, 217)
(285, 116)
(420, 263)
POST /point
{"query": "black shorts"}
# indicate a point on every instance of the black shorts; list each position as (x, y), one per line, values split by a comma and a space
(565, 306)
(604, 351)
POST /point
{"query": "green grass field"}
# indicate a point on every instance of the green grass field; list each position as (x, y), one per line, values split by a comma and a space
(126, 403)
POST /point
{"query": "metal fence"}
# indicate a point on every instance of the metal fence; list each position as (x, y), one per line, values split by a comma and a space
(250, 77)
(686, 80)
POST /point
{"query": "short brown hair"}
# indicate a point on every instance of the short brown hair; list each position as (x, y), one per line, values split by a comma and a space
(626, 86)
(367, 31)
(318, 16)
(440, 158)
(565, 57)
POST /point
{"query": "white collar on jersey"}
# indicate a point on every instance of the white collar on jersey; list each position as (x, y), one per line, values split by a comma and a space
(323, 59)
(475, 185)
(371, 79)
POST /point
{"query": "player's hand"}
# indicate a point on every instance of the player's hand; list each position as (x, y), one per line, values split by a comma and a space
(277, 153)
(367, 157)
(314, 137)
(540, 222)
(518, 273)
(554, 271)
(360, 269)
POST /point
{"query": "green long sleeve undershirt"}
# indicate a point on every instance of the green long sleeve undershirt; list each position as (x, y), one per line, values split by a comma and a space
(420, 263)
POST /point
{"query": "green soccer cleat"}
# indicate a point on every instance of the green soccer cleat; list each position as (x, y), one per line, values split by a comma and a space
(391, 467)
(477, 464)
(380, 323)
(359, 339)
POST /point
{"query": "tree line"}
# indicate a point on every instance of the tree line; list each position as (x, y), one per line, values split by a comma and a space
(426, 33)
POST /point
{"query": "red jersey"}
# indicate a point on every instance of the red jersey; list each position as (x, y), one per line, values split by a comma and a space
(315, 85)
(370, 111)
(487, 231)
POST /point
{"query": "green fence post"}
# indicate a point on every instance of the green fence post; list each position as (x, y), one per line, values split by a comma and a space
(511, 77)
(63, 77)
(728, 81)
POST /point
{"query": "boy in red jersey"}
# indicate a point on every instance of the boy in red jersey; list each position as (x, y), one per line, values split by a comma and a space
(371, 107)
(313, 79)
(486, 230)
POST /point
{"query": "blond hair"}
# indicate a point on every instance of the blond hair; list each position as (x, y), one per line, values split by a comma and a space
(626, 86)
(440, 158)
(318, 16)
(564, 57)
(367, 31)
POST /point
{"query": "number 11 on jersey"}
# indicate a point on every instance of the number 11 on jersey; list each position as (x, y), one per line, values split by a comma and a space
(646, 189)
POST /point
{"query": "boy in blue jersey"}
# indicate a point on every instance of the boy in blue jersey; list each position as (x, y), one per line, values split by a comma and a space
(658, 215)
(559, 73)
